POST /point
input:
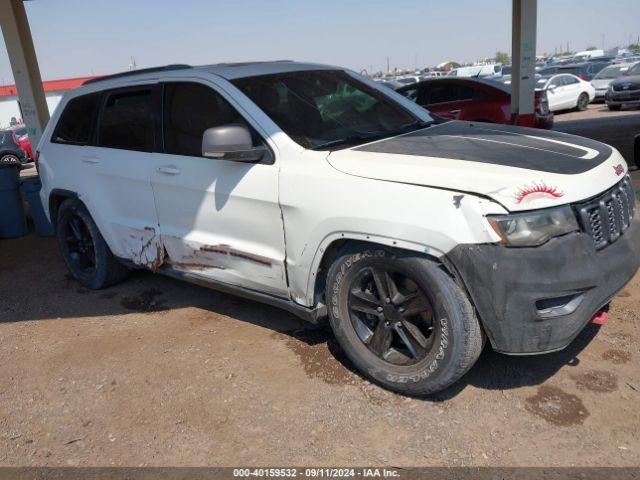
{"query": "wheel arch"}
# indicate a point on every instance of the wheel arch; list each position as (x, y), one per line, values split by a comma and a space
(336, 244)
(56, 197)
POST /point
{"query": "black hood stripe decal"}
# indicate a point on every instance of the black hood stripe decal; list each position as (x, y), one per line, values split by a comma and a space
(499, 145)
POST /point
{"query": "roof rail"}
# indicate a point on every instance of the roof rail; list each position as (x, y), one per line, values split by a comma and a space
(165, 68)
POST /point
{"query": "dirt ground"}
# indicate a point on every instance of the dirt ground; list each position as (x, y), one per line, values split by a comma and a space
(158, 372)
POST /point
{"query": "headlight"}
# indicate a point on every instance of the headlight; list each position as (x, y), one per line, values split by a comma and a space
(533, 228)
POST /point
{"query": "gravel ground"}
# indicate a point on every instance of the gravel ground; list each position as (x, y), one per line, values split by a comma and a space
(158, 372)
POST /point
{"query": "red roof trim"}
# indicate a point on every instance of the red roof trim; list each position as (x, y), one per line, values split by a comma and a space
(49, 86)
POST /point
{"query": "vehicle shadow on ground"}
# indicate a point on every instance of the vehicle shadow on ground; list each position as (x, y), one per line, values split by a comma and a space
(495, 371)
(60, 297)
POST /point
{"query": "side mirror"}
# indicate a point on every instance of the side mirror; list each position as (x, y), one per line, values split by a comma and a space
(231, 142)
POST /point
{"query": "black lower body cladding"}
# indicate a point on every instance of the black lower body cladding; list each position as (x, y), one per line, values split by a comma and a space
(515, 289)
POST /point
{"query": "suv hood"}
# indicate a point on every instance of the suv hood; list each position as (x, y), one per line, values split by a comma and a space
(520, 168)
(633, 81)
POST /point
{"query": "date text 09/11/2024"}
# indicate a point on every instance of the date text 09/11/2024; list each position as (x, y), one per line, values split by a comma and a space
(316, 473)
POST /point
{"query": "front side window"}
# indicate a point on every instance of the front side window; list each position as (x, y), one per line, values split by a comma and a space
(411, 93)
(127, 122)
(442, 94)
(556, 82)
(327, 108)
(189, 110)
(76, 122)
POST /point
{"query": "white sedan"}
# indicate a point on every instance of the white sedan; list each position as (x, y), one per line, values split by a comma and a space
(566, 91)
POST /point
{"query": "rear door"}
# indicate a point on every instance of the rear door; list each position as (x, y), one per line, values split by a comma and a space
(116, 174)
(219, 219)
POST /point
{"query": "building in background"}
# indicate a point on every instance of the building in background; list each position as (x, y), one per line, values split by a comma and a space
(53, 89)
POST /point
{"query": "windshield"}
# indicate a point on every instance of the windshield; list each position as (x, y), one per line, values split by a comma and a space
(610, 72)
(635, 70)
(323, 109)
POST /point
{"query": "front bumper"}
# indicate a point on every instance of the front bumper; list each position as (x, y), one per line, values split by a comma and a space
(623, 97)
(512, 288)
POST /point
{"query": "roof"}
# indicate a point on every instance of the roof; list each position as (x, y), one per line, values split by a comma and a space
(229, 71)
(49, 86)
(232, 71)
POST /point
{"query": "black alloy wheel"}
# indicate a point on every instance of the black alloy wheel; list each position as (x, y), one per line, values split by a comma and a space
(392, 316)
(80, 244)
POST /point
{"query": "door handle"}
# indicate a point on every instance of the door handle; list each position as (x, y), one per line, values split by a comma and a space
(168, 170)
(457, 110)
(91, 159)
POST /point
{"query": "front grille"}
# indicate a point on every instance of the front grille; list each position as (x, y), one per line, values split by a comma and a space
(620, 87)
(606, 217)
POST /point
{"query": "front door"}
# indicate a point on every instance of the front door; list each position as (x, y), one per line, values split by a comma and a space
(219, 219)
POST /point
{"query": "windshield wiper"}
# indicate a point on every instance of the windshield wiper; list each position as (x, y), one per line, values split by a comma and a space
(370, 136)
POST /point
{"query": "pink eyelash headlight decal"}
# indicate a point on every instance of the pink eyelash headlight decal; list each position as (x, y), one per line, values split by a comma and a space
(537, 191)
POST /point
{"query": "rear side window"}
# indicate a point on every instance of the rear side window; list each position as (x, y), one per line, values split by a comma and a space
(76, 122)
(126, 121)
(189, 110)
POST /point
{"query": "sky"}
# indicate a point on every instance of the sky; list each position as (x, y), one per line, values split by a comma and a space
(83, 37)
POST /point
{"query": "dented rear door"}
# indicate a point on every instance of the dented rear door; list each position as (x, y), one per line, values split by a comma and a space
(116, 174)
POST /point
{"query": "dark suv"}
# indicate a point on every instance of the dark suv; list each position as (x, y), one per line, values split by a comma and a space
(624, 90)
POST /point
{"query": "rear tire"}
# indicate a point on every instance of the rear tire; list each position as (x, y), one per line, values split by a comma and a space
(583, 102)
(407, 352)
(83, 248)
(614, 108)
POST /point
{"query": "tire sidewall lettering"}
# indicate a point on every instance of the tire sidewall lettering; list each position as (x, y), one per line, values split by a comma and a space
(435, 363)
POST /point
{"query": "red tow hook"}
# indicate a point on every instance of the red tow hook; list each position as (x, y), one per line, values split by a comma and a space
(600, 318)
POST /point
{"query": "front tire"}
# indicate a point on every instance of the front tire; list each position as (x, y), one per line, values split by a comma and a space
(83, 248)
(9, 158)
(583, 102)
(614, 108)
(402, 320)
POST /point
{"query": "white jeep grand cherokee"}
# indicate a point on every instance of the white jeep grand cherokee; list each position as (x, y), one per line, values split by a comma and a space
(311, 188)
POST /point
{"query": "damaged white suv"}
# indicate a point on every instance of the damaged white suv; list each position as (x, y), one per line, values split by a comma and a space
(311, 188)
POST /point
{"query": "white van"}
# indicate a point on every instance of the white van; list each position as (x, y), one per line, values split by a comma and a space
(587, 54)
(314, 189)
(479, 71)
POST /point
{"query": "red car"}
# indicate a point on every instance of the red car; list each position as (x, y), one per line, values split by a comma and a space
(475, 99)
(21, 138)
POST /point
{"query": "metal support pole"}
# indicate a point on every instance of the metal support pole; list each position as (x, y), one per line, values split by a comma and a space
(523, 53)
(24, 65)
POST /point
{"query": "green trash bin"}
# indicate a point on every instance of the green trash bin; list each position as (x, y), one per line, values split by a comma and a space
(13, 222)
